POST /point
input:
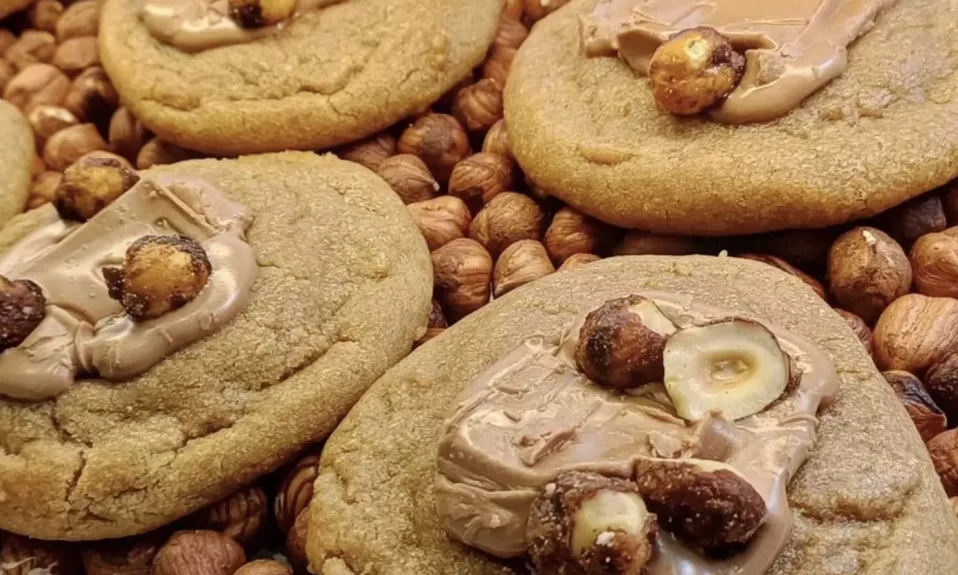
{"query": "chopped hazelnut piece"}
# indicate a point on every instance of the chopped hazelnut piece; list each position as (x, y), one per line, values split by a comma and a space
(259, 13)
(22, 308)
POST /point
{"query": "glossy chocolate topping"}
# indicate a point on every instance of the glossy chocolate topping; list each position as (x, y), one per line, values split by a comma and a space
(791, 48)
(85, 331)
(533, 415)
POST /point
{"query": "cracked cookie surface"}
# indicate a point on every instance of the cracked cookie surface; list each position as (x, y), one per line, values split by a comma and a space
(16, 154)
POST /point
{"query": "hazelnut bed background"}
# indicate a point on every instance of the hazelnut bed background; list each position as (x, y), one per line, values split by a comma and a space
(447, 166)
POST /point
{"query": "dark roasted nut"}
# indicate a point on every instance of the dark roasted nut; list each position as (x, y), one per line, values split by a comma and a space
(513, 8)
(860, 328)
(590, 524)
(22, 308)
(638, 243)
(67, 146)
(867, 270)
(126, 134)
(36, 85)
(33, 47)
(296, 544)
(131, 556)
(924, 412)
(479, 178)
(621, 343)
(438, 140)
(92, 97)
(807, 249)
(572, 232)
(694, 70)
(296, 491)
(497, 140)
(498, 63)
(43, 189)
(409, 177)
(158, 152)
(522, 262)
(511, 32)
(437, 324)
(79, 19)
(942, 383)
(199, 553)
(577, 261)
(91, 184)
(479, 106)
(370, 152)
(77, 54)
(48, 120)
(22, 556)
(934, 261)
(913, 219)
(159, 275)
(264, 567)
(944, 454)
(506, 219)
(44, 15)
(463, 271)
(915, 332)
(241, 517)
(441, 220)
(788, 268)
(259, 13)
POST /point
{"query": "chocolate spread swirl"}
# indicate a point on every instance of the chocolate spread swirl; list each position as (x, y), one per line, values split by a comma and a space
(533, 415)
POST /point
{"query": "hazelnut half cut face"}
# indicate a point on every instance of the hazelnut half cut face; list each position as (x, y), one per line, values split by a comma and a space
(22, 308)
(159, 275)
(735, 366)
(259, 13)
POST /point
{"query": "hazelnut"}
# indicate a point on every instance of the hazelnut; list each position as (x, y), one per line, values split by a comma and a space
(259, 13)
(587, 523)
(436, 325)
(481, 177)
(130, 556)
(621, 343)
(860, 328)
(79, 19)
(522, 262)
(944, 454)
(498, 63)
(511, 32)
(159, 275)
(158, 152)
(264, 567)
(67, 146)
(444, 104)
(497, 140)
(479, 106)
(296, 491)
(441, 220)
(438, 140)
(913, 219)
(409, 178)
(36, 85)
(934, 259)
(572, 232)
(126, 134)
(924, 412)
(48, 120)
(7, 72)
(33, 47)
(463, 270)
(867, 270)
(296, 544)
(37, 166)
(199, 553)
(577, 261)
(91, 184)
(788, 268)
(23, 556)
(694, 70)
(639, 243)
(22, 308)
(44, 15)
(942, 383)
(506, 219)
(7, 39)
(77, 54)
(44, 189)
(92, 97)
(370, 152)
(241, 517)
(539, 9)
(915, 332)
(513, 8)
(807, 249)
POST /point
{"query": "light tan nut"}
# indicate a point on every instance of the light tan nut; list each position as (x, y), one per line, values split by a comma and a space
(463, 272)
(479, 106)
(126, 134)
(639, 243)
(577, 261)
(259, 13)
(441, 220)
(43, 189)
(506, 219)
(33, 47)
(572, 232)
(497, 140)
(370, 152)
(944, 454)
(296, 491)
(511, 32)
(621, 343)
(47, 120)
(79, 19)
(481, 177)
(915, 332)
(7, 72)
(296, 544)
(77, 54)
(409, 177)
(586, 523)
(498, 63)
(928, 418)
(159, 274)
(92, 183)
(942, 383)
(934, 261)
(788, 268)
(67, 146)
(92, 97)
(22, 308)
(158, 152)
(913, 219)
(694, 70)
(44, 15)
(264, 567)
(867, 270)
(37, 85)
(242, 517)
(439, 141)
(522, 262)
(199, 553)
(539, 9)
(860, 328)
(22, 556)
(130, 556)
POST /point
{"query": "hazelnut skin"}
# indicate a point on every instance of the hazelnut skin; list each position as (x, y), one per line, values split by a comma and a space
(479, 106)
(130, 556)
(438, 140)
(437, 324)
(23, 556)
(409, 177)
(370, 153)
(296, 543)
(506, 219)
(22, 308)
(67, 146)
(924, 412)
(497, 140)
(915, 332)
(463, 272)
(934, 259)
(577, 261)
(944, 454)
(242, 517)
(639, 243)
(481, 177)
(788, 268)
(915, 218)
(867, 270)
(860, 328)
(522, 262)
(259, 13)
(441, 220)
(572, 232)
(200, 552)
(264, 567)
(942, 384)
(91, 184)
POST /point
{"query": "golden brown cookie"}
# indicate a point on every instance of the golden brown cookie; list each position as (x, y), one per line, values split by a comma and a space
(16, 155)
(867, 499)
(343, 290)
(331, 76)
(588, 131)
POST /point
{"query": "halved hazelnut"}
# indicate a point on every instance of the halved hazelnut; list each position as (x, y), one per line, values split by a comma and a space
(924, 412)
(588, 523)
(259, 13)
(735, 366)
(621, 343)
(91, 184)
(159, 275)
(22, 308)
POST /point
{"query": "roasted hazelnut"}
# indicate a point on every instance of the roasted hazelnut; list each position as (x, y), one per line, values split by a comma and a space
(867, 270)
(577, 261)
(506, 219)
(807, 249)
(498, 63)
(264, 567)
(949, 202)
(130, 556)
(913, 219)
(241, 517)
(639, 243)
(497, 140)
(48, 120)
(441, 220)
(481, 177)
(463, 271)
(158, 152)
(22, 308)
(621, 343)
(944, 454)
(33, 47)
(539, 9)
(694, 70)
(479, 106)
(788, 268)
(126, 134)
(513, 8)
(511, 32)
(7, 72)
(259, 13)
(370, 152)
(67, 146)
(572, 232)
(934, 261)
(860, 328)
(915, 332)
(296, 544)
(296, 491)
(438, 140)
(43, 189)
(928, 418)
(91, 184)
(587, 523)
(92, 97)
(79, 19)
(522, 262)
(409, 178)
(437, 323)
(159, 275)
(36, 85)
(199, 553)
(44, 15)
(7, 39)
(23, 556)
(942, 383)
(77, 54)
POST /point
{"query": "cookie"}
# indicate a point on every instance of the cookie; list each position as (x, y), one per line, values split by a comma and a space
(16, 156)
(340, 289)
(375, 503)
(332, 75)
(587, 130)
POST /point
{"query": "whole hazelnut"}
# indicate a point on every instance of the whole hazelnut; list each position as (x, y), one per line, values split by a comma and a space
(506, 219)
(43, 189)
(522, 262)
(539, 9)
(915, 332)
(577, 261)
(199, 553)
(409, 177)
(934, 259)
(463, 271)
(242, 517)
(296, 491)
(497, 140)
(913, 219)
(79, 19)
(944, 454)
(23, 556)
(438, 140)
(296, 544)
(126, 134)
(639, 243)
(160, 274)
(621, 343)
(48, 120)
(942, 384)
(36, 85)
(807, 249)
(928, 418)
(481, 177)
(694, 70)
(259, 13)
(44, 15)
(513, 8)
(7, 39)
(7, 72)
(441, 220)
(867, 270)
(33, 47)
(92, 183)
(130, 556)
(158, 152)
(437, 323)
(511, 32)
(22, 308)
(264, 567)
(860, 328)
(572, 232)
(92, 97)
(498, 63)
(67, 146)
(788, 268)
(370, 152)
(77, 54)
(479, 106)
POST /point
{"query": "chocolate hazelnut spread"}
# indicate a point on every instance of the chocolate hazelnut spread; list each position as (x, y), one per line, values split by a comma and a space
(85, 330)
(533, 415)
(791, 48)
(196, 25)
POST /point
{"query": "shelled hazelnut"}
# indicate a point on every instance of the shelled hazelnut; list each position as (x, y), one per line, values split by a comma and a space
(539, 9)
(860, 328)
(259, 13)
(463, 272)
(497, 140)
(577, 261)
(23, 556)
(36, 85)
(370, 152)
(67, 146)
(409, 177)
(928, 418)
(130, 556)
(788, 268)
(264, 567)
(479, 106)
(91, 96)
(296, 544)
(479, 178)
(944, 454)
(867, 270)
(242, 517)
(436, 325)
(22, 308)
(158, 152)
(91, 183)
(296, 491)
(79, 19)
(506, 219)
(44, 15)
(32, 47)
(942, 384)
(915, 332)
(806, 249)
(441, 220)
(934, 259)
(47, 120)
(949, 202)
(572, 232)
(77, 54)
(438, 140)
(513, 8)
(43, 189)
(522, 262)
(126, 134)
(199, 553)
(915, 218)
(639, 243)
